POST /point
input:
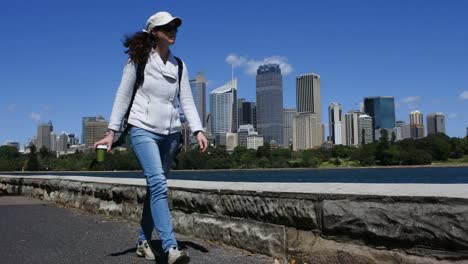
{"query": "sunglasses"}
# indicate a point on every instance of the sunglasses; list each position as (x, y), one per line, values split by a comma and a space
(167, 28)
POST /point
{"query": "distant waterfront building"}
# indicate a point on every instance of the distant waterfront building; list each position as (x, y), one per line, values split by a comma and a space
(72, 140)
(14, 144)
(53, 141)
(43, 135)
(269, 94)
(223, 108)
(402, 130)
(243, 132)
(62, 143)
(382, 111)
(309, 109)
(307, 131)
(416, 125)
(366, 132)
(254, 141)
(416, 118)
(336, 124)
(198, 85)
(352, 129)
(249, 114)
(435, 123)
(94, 130)
(229, 140)
(83, 130)
(288, 120)
(240, 116)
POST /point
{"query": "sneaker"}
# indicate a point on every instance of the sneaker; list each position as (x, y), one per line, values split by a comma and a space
(145, 250)
(175, 256)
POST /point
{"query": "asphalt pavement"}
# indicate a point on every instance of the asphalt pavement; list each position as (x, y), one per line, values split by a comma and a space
(34, 231)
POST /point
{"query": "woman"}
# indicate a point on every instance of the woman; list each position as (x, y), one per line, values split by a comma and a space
(155, 123)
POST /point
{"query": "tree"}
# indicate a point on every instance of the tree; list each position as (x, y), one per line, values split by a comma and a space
(32, 164)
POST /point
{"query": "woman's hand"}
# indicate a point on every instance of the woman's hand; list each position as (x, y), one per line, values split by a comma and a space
(107, 140)
(202, 141)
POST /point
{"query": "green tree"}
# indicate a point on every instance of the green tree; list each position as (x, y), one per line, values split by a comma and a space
(32, 163)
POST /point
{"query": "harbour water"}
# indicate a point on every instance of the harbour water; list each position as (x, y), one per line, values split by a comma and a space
(428, 175)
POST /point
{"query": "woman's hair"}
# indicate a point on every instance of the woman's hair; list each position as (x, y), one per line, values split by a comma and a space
(139, 46)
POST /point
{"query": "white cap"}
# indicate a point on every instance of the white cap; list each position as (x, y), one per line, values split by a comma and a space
(161, 18)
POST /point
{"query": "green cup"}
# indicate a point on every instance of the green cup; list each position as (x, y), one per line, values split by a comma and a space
(101, 152)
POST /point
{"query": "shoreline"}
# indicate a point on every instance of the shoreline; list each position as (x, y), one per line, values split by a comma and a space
(266, 169)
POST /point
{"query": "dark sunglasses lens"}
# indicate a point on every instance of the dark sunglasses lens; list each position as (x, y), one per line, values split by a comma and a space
(169, 28)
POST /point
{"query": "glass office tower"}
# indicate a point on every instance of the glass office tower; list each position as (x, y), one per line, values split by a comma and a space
(382, 111)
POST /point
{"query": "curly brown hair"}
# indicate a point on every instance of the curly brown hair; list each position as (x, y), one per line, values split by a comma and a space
(139, 46)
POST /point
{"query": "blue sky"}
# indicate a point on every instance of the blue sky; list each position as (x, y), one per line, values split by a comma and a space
(62, 60)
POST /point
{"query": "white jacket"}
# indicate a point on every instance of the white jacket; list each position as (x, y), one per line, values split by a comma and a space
(155, 107)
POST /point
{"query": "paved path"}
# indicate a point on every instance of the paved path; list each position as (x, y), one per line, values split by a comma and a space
(33, 231)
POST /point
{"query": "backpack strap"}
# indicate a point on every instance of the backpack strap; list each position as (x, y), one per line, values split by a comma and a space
(179, 72)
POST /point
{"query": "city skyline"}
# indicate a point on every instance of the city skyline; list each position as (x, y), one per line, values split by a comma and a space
(419, 58)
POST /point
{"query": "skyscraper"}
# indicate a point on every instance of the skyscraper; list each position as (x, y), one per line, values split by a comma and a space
(43, 135)
(305, 130)
(382, 111)
(288, 120)
(83, 130)
(240, 116)
(94, 129)
(223, 108)
(365, 129)
(309, 109)
(249, 114)
(269, 86)
(336, 123)
(402, 130)
(416, 124)
(435, 123)
(198, 86)
(352, 129)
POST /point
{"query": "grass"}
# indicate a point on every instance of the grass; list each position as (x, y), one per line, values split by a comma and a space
(460, 161)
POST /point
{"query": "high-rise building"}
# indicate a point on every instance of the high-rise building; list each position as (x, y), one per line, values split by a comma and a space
(309, 109)
(416, 124)
(240, 116)
(336, 123)
(223, 108)
(382, 111)
(416, 118)
(402, 130)
(94, 129)
(269, 93)
(53, 141)
(198, 85)
(249, 114)
(288, 120)
(43, 135)
(435, 123)
(72, 140)
(307, 131)
(62, 143)
(366, 132)
(83, 130)
(352, 129)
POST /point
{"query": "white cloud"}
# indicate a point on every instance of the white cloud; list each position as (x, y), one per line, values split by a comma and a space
(35, 116)
(251, 66)
(12, 107)
(411, 99)
(464, 95)
(453, 115)
(235, 60)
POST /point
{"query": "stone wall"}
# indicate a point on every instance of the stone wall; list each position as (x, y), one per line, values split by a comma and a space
(306, 228)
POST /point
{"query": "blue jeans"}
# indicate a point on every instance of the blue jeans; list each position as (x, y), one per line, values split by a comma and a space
(155, 152)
